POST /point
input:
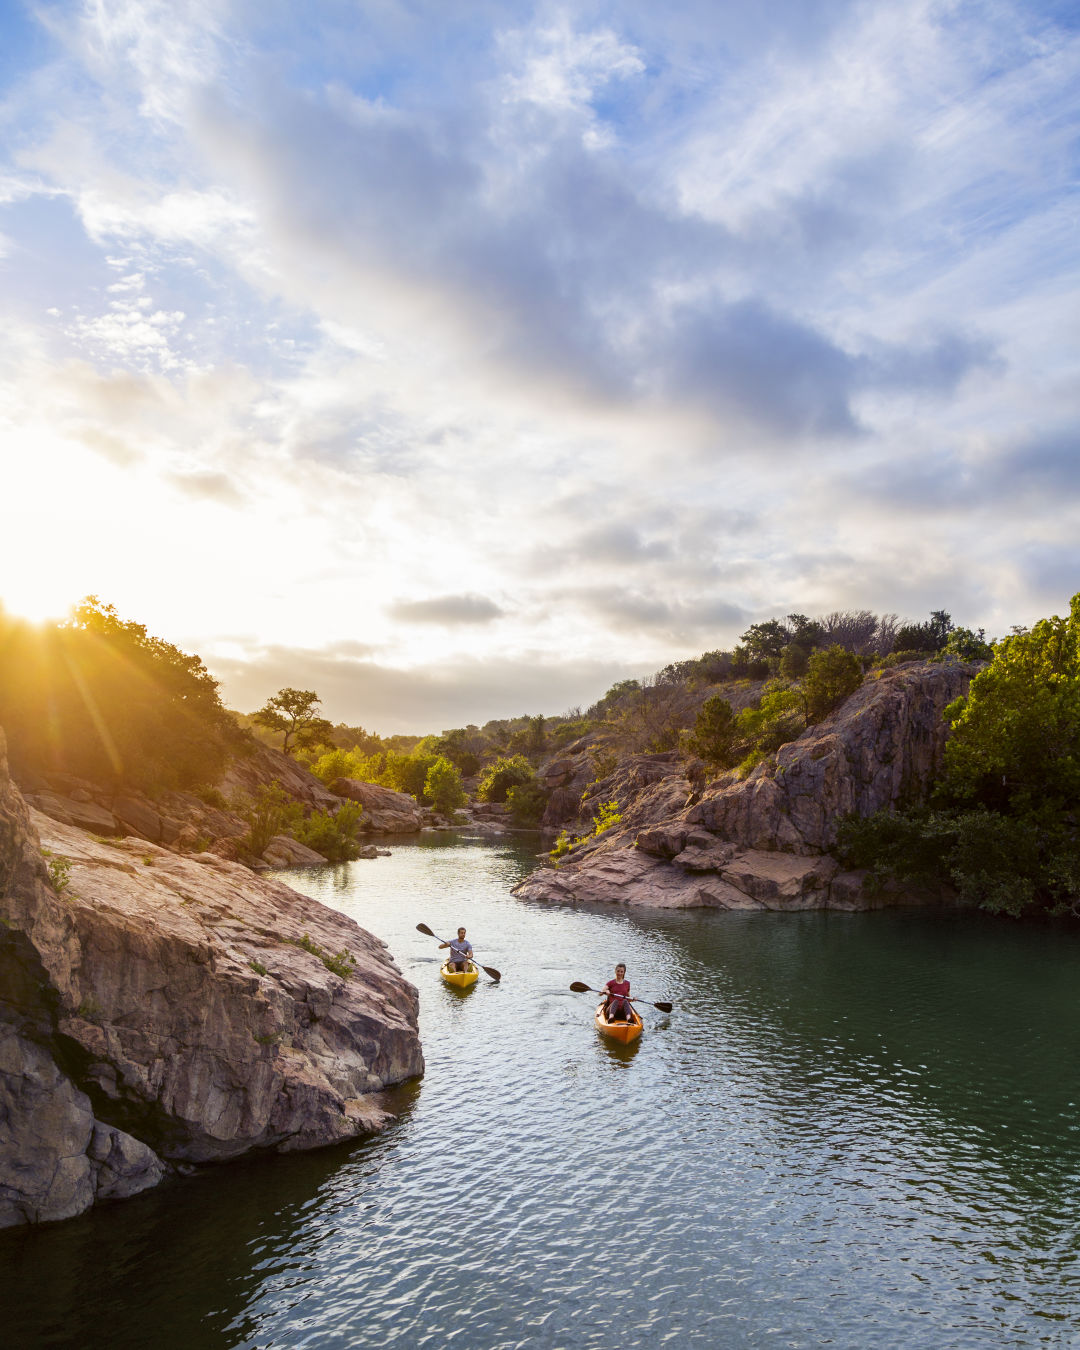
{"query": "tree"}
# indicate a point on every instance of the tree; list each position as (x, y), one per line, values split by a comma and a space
(765, 641)
(501, 776)
(794, 660)
(100, 698)
(292, 712)
(713, 736)
(854, 629)
(930, 636)
(443, 787)
(831, 677)
(966, 645)
(1015, 743)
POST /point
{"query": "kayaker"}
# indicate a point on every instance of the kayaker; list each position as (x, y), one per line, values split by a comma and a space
(460, 951)
(617, 1006)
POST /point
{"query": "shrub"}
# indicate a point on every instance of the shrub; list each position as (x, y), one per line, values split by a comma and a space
(269, 812)
(333, 834)
(607, 816)
(527, 803)
(563, 845)
(501, 776)
(713, 736)
(443, 787)
(831, 677)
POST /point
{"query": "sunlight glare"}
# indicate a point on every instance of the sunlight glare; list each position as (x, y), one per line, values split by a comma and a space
(38, 597)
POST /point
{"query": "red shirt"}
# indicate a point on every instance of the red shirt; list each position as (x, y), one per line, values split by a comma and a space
(618, 988)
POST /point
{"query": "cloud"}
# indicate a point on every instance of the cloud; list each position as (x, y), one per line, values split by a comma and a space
(447, 609)
(206, 485)
(389, 699)
(680, 620)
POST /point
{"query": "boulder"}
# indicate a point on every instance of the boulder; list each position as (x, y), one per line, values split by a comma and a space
(385, 811)
(284, 851)
(166, 1010)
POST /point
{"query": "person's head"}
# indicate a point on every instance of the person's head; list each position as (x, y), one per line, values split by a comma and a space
(461, 932)
(620, 972)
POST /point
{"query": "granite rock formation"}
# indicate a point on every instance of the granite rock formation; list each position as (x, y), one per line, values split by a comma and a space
(385, 811)
(158, 1010)
(764, 842)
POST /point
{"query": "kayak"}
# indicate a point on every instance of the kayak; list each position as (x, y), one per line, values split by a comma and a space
(619, 1031)
(460, 979)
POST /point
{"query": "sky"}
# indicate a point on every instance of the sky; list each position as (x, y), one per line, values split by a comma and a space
(457, 360)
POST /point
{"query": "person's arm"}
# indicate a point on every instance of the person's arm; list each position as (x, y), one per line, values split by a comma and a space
(443, 944)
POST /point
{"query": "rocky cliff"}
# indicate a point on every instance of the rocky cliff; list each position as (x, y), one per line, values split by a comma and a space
(159, 1011)
(764, 842)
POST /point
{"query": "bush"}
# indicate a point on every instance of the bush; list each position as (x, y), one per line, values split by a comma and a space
(501, 776)
(831, 677)
(333, 834)
(777, 719)
(713, 736)
(607, 816)
(443, 787)
(269, 812)
(527, 803)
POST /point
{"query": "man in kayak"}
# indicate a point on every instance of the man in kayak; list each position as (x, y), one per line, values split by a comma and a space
(617, 1003)
(460, 951)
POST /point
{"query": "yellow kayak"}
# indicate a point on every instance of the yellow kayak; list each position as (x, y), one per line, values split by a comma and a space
(619, 1031)
(460, 979)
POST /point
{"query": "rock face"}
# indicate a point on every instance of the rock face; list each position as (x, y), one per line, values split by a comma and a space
(764, 842)
(157, 1009)
(385, 811)
(184, 820)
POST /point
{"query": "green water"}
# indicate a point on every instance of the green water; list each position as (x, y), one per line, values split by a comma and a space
(854, 1130)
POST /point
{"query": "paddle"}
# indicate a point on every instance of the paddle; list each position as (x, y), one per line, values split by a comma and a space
(488, 970)
(580, 988)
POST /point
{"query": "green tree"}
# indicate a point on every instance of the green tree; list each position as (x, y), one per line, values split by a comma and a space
(831, 676)
(967, 645)
(293, 713)
(501, 776)
(794, 661)
(765, 641)
(1015, 743)
(713, 736)
(443, 787)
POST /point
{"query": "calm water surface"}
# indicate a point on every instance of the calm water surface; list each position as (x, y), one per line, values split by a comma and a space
(854, 1130)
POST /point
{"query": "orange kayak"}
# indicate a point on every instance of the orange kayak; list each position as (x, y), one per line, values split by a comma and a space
(619, 1031)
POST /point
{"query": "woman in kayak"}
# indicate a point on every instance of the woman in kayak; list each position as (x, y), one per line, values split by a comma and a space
(460, 951)
(617, 1003)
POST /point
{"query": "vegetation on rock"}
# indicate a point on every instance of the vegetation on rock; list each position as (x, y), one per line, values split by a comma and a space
(1002, 825)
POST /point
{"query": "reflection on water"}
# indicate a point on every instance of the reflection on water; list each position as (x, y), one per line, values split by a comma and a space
(854, 1130)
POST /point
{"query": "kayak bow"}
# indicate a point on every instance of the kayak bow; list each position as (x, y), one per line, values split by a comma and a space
(620, 1031)
(460, 979)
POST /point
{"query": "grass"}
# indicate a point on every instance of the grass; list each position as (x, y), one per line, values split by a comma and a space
(340, 963)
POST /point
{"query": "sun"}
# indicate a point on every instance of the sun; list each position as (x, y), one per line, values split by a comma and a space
(38, 597)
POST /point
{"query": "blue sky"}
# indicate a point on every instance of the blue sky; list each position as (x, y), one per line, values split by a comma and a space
(458, 360)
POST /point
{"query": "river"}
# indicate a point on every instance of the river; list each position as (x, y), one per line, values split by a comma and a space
(854, 1131)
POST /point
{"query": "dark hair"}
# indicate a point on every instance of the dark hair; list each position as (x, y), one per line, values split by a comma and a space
(620, 963)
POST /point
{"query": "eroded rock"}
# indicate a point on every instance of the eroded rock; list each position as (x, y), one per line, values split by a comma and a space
(160, 1009)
